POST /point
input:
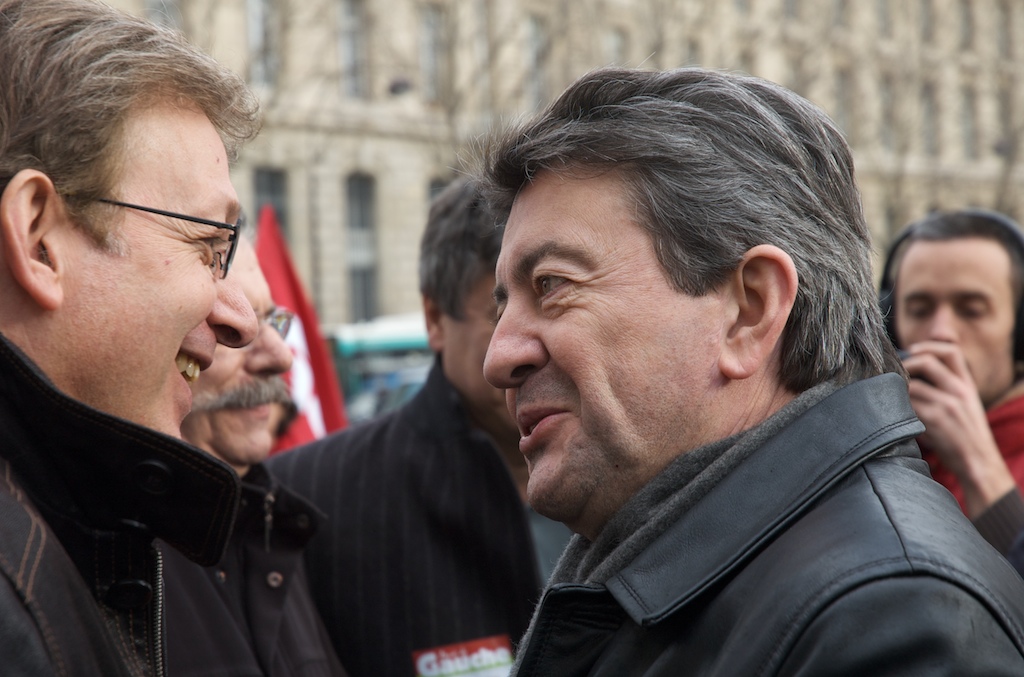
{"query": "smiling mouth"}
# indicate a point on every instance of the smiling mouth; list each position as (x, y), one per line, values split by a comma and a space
(188, 367)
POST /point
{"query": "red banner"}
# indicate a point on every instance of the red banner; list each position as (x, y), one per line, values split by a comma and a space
(313, 381)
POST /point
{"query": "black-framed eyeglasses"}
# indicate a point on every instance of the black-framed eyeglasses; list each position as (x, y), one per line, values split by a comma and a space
(281, 320)
(223, 254)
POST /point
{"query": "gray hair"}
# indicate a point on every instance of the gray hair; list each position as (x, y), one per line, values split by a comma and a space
(718, 163)
(460, 245)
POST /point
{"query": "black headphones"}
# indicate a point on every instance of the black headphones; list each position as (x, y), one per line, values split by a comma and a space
(887, 301)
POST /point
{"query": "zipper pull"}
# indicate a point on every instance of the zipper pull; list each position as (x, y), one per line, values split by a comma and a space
(268, 518)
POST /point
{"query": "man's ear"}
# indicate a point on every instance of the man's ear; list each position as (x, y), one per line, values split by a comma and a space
(435, 329)
(762, 291)
(31, 212)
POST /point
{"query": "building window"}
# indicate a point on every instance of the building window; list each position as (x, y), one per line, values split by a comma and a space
(538, 48)
(271, 188)
(887, 102)
(840, 13)
(482, 47)
(1006, 104)
(926, 17)
(1006, 146)
(747, 61)
(966, 25)
(352, 48)
(165, 12)
(791, 9)
(929, 120)
(360, 190)
(743, 6)
(969, 123)
(1004, 29)
(693, 52)
(892, 218)
(615, 46)
(798, 78)
(264, 50)
(434, 48)
(883, 15)
(845, 96)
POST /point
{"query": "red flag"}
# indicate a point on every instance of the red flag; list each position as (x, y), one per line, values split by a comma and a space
(313, 381)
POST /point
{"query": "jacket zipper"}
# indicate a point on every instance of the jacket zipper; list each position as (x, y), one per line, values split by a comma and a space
(158, 620)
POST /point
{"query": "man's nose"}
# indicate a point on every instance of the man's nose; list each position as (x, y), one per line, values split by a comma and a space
(516, 350)
(232, 317)
(943, 325)
(269, 354)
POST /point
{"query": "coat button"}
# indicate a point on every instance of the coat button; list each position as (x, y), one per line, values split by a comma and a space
(222, 576)
(128, 594)
(275, 579)
(153, 477)
(302, 521)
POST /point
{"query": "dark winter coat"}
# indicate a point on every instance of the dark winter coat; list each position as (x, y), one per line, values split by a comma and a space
(427, 541)
(82, 496)
(250, 615)
(827, 551)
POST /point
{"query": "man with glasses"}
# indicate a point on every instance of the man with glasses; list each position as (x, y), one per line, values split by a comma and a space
(117, 222)
(251, 613)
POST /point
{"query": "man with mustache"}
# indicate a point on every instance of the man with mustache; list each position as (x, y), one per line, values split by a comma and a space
(251, 613)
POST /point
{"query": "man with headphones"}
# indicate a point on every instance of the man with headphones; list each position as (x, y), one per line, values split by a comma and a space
(951, 294)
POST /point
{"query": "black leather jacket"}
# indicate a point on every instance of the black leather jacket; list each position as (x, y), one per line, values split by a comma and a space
(82, 495)
(829, 551)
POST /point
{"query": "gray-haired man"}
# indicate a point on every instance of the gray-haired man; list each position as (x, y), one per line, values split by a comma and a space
(690, 343)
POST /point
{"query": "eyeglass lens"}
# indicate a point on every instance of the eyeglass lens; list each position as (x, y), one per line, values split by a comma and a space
(223, 250)
(281, 321)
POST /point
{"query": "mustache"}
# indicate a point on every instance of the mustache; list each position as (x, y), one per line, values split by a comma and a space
(263, 390)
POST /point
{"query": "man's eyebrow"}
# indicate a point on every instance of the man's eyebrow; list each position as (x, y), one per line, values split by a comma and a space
(956, 295)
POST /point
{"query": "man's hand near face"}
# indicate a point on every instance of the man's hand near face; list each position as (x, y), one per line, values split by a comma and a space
(946, 399)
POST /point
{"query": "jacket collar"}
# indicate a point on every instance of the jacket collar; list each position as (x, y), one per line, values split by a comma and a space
(107, 474)
(768, 491)
(437, 410)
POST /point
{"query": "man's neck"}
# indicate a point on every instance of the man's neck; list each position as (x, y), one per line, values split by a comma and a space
(1012, 393)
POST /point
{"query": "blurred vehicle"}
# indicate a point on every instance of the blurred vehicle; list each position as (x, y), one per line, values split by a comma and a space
(381, 363)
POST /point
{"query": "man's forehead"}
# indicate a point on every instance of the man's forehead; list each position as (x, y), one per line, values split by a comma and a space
(977, 256)
(960, 267)
(982, 246)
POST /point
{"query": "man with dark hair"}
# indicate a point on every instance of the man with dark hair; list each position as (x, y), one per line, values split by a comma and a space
(952, 296)
(118, 224)
(690, 342)
(251, 613)
(430, 552)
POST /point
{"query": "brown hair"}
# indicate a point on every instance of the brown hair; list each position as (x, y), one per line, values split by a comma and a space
(75, 70)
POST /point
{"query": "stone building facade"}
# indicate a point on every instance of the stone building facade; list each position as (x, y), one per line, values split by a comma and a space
(372, 105)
